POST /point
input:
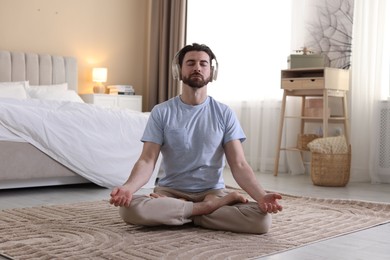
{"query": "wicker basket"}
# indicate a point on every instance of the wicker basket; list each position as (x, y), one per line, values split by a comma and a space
(304, 139)
(331, 170)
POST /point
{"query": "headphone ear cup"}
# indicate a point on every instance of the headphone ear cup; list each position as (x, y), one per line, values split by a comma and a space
(176, 71)
(214, 71)
(176, 67)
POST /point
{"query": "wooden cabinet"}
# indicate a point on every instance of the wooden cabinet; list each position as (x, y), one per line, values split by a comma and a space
(133, 102)
(309, 83)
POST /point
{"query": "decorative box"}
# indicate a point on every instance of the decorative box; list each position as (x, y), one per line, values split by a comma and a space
(314, 107)
(296, 61)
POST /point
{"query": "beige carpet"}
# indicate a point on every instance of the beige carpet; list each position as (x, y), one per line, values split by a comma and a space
(94, 230)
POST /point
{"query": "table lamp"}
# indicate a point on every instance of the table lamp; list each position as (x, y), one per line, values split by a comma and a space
(99, 76)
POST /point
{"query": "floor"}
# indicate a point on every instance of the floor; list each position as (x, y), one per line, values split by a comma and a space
(370, 244)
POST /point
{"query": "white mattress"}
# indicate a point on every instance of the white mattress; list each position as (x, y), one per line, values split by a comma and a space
(100, 144)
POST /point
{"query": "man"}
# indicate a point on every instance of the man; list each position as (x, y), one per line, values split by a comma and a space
(194, 133)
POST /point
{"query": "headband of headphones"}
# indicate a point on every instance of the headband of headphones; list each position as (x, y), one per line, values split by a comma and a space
(176, 69)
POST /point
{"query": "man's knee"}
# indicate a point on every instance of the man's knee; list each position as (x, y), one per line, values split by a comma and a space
(256, 224)
(254, 220)
(263, 225)
(134, 214)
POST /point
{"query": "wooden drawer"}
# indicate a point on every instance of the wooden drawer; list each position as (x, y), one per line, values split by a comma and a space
(303, 83)
(130, 101)
(133, 102)
(315, 78)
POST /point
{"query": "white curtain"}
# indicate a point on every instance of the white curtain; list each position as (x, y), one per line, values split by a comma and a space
(251, 40)
(369, 87)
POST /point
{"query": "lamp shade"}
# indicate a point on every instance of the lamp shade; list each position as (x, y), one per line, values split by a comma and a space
(99, 74)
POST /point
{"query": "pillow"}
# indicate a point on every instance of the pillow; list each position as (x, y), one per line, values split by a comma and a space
(59, 95)
(329, 145)
(37, 91)
(24, 83)
(13, 90)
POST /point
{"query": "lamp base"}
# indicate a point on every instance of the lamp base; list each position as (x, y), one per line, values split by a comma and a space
(99, 89)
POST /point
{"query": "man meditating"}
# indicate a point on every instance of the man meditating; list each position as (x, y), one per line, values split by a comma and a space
(194, 134)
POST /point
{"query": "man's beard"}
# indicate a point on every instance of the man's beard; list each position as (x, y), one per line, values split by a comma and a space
(196, 82)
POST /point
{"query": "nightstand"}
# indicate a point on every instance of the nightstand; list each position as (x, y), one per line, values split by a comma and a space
(133, 102)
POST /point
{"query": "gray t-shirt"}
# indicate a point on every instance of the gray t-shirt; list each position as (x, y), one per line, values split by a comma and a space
(191, 139)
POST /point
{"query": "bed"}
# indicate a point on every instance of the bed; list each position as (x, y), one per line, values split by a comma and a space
(49, 136)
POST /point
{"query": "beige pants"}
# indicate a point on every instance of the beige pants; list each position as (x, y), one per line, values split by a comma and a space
(171, 210)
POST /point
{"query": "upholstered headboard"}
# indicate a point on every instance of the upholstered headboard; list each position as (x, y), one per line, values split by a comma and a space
(38, 69)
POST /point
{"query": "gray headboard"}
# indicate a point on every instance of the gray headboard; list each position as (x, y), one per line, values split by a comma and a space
(38, 69)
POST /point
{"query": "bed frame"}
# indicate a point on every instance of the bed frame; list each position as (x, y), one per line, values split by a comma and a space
(21, 164)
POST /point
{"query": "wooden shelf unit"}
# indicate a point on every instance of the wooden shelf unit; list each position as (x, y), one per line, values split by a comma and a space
(308, 83)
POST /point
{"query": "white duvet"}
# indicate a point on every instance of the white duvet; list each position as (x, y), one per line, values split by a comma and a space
(100, 144)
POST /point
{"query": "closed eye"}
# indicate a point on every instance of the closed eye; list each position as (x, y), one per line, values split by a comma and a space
(203, 63)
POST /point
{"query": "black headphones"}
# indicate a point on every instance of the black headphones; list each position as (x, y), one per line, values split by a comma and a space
(176, 67)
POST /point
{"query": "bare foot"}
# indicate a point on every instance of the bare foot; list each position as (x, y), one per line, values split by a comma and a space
(212, 202)
(156, 195)
(230, 199)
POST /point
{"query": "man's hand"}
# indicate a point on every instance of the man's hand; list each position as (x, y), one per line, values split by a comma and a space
(269, 203)
(120, 196)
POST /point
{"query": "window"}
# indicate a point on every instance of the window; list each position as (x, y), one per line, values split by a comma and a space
(251, 40)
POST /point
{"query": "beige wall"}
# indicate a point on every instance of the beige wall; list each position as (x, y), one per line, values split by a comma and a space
(99, 33)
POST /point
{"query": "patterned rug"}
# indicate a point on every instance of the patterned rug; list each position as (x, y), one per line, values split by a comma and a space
(94, 230)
